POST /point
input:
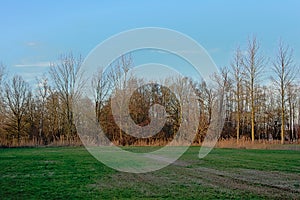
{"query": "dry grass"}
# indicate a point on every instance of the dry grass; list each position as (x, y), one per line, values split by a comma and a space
(24, 142)
(228, 143)
(257, 144)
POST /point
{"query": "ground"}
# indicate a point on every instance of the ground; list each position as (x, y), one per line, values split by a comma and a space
(71, 172)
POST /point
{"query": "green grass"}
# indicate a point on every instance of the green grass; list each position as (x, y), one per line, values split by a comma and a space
(265, 160)
(72, 173)
(56, 173)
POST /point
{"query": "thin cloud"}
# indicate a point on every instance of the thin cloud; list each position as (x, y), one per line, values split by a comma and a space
(31, 44)
(37, 64)
(214, 50)
(189, 52)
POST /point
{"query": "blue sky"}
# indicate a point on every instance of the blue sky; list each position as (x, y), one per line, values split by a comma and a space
(34, 33)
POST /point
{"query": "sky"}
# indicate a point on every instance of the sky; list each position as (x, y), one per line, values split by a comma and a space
(35, 33)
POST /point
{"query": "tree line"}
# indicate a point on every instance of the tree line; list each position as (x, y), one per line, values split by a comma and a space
(261, 101)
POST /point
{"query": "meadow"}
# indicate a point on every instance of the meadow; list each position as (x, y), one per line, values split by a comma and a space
(72, 173)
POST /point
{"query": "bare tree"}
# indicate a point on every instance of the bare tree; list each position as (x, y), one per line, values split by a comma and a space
(292, 103)
(101, 85)
(16, 99)
(237, 71)
(53, 118)
(284, 70)
(224, 84)
(68, 82)
(120, 79)
(2, 118)
(254, 65)
(2, 72)
(43, 91)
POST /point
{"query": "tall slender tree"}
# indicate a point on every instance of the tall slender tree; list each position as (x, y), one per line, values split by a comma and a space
(284, 74)
(254, 65)
(237, 72)
(43, 91)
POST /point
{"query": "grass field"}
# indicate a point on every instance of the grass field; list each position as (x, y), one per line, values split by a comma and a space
(72, 173)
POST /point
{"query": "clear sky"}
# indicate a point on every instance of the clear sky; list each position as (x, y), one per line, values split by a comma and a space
(34, 33)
